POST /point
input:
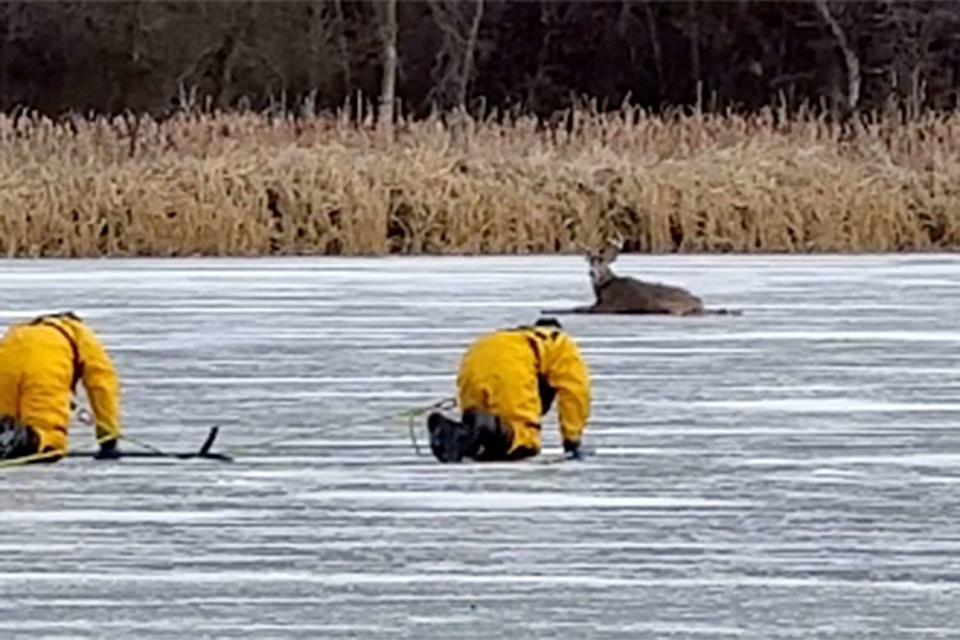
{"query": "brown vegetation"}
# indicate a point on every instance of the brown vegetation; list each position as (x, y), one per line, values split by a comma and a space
(243, 184)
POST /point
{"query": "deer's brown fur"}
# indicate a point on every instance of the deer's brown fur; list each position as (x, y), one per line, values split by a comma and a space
(623, 294)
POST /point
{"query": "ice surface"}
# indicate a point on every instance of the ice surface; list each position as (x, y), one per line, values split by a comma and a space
(790, 473)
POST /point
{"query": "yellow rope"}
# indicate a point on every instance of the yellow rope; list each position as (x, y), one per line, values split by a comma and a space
(409, 415)
(406, 415)
(49, 454)
(146, 445)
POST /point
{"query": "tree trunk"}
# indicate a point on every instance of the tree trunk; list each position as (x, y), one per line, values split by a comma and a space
(655, 48)
(6, 19)
(850, 58)
(315, 28)
(388, 86)
(696, 72)
(344, 49)
(125, 95)
(468, 55)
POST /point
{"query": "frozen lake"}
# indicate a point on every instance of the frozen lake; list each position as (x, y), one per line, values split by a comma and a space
(791, 473)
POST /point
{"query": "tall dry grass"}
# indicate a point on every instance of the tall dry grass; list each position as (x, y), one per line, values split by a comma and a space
(241, 184)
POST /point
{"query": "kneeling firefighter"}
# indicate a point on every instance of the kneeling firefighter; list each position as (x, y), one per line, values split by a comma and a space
(41, 363)
(506, 383)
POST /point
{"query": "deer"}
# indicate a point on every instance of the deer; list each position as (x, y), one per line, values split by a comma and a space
(625, 295)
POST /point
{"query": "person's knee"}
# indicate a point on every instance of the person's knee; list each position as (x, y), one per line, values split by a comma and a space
(523, 452)
(499, 441)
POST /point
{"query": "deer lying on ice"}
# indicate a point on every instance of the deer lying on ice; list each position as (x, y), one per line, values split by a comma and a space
(620, 294)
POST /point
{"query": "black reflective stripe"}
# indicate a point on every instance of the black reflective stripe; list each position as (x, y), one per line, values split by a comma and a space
(77, 364)
(544, 390)
(536, 351)
(547, 394)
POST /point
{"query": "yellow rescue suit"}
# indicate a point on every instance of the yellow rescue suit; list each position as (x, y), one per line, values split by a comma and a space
(40, 366)
(508, 373)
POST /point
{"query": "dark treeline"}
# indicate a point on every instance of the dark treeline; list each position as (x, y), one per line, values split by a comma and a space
(535, 55)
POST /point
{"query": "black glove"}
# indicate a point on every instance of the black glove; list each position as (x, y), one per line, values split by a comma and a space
(108, 451)
(571, 450)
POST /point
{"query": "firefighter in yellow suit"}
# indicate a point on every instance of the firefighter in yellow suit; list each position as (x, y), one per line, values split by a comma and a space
(41, 363)
(506, 383)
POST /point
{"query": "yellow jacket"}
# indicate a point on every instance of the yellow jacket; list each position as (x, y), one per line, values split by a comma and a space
(40, 366)
(502, 373)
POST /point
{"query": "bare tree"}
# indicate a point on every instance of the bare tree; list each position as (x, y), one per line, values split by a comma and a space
(655, 47)
(696, 72)
(542, 55)
(469, 54)
(453, 68)
(316, 37)
(913, 49)
(238, 67)
(343, 47)
(388, 85)
(851, 61)
(7, 23)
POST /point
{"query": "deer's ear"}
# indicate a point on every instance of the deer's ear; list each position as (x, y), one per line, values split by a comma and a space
(616, 240)
(588, 254)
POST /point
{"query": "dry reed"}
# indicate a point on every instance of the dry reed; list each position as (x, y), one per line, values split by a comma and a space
(243, 185)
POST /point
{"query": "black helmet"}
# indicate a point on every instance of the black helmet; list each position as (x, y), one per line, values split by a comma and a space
(548, 322)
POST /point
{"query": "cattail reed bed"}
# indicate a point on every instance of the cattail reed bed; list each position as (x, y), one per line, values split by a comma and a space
(247, 185)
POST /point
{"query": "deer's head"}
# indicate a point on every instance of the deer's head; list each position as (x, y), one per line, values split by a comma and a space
(601, 259)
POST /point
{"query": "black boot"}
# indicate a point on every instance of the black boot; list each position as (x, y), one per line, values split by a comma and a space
(16, 440)
(451, 441)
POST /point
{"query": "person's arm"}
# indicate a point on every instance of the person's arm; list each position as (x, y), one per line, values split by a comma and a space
(102, 386)
(567, 373)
